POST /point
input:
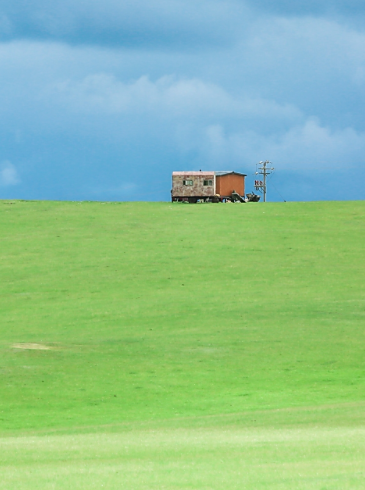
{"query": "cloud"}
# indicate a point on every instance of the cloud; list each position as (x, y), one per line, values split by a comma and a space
(309, 7)
(8, 174)
(168, 23)
(315, 65)
(303, 149)
(306, 147)
(168, 96)
(155, 24)
(128, 91)
(318, 147)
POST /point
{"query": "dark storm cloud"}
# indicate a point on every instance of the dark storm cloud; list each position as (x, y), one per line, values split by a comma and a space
(167, 23)
(309, 7)
(157, 23)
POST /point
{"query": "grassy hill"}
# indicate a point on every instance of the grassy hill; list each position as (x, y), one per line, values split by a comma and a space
(159, 327)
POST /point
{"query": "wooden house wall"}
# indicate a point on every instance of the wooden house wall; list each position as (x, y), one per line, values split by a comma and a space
(226, 184)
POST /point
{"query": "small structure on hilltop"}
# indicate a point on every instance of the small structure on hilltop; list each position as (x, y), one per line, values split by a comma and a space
(208, 186)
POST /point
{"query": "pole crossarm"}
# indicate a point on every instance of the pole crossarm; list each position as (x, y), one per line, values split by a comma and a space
(265, 171)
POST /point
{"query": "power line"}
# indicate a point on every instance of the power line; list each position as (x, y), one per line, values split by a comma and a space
(282, 197)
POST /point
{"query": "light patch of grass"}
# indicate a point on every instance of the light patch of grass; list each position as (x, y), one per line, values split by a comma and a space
(31, 346)
(213, 455)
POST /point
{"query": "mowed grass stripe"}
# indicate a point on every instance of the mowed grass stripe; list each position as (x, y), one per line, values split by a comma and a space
(196, 458)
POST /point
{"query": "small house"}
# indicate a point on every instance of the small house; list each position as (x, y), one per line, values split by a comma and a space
(192, 186)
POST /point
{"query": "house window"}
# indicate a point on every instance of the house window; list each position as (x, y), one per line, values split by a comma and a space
(187, 182)
(208, 182)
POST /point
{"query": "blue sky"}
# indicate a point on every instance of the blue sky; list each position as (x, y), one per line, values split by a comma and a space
(102, 100)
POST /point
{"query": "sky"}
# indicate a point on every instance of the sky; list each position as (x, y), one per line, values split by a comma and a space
(103, 99)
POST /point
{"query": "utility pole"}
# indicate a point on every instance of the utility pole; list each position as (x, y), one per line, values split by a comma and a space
(263, 170)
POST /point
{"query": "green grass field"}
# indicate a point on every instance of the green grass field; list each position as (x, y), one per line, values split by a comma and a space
(151, 346)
